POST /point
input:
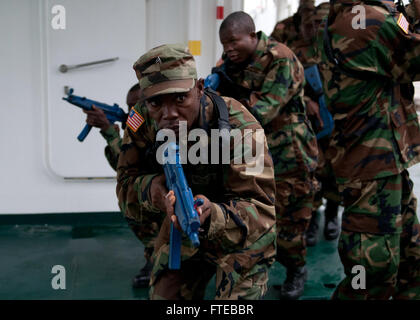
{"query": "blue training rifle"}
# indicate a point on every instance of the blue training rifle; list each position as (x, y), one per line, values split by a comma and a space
(113, 113)
(314, 79)
(185, 206)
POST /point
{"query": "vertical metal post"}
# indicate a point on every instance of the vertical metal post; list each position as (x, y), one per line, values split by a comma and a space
(220, 15)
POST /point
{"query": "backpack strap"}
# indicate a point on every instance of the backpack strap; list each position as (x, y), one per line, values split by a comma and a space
(221, 109)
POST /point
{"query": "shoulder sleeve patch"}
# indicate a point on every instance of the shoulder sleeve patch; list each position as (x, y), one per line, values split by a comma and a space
(403, 23)
(134, 120)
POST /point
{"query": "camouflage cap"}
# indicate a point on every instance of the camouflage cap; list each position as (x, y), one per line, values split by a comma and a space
(165, 69)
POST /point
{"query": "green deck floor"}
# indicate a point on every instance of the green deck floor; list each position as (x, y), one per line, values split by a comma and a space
(101, 255)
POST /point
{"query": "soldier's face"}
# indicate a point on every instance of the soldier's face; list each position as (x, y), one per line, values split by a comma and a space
(238, 45)
(169, 109)
(308, 30)
(132, 98)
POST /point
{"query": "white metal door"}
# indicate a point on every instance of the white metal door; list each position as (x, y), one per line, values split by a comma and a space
(94, 30)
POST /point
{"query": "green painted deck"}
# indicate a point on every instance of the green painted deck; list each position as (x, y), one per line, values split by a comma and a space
(101, 255)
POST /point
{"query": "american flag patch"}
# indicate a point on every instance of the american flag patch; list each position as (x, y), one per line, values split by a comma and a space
(403, 23)
(134, 120)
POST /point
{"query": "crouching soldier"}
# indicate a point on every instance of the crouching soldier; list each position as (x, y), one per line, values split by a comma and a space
(237, 234)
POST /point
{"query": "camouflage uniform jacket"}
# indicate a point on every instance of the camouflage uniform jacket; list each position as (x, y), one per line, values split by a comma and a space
(302, 39)
(304, 46)
(286, 31)
(275, 80)
(240, 231)
(376, 131)
(113, 148)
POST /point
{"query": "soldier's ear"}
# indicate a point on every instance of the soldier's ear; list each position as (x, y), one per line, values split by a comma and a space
(200, 86)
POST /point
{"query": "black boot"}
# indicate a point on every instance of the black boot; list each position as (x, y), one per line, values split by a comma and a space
(294, 284)
(332, 228)
(142, 279)
(311, 233)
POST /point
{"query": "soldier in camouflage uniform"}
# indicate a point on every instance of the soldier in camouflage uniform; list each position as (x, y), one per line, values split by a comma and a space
(237, 241)
(286, 31)
(299, 33)
(289, 30)
(376, 138)
(305, 49)
(146, 231)
(111, 133)
(268, 79)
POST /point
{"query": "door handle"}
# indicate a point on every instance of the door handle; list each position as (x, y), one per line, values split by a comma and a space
(64, 68)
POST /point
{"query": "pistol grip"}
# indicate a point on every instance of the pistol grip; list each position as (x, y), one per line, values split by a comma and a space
(175, 249)
(84, 133)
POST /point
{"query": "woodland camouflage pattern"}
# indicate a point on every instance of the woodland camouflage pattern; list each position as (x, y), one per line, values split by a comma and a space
(304, 46)
(391, 257)
(274, 81)
(302, 41)
(287, 30)
(113, 148)
(273, 84)
(300, 36)
(376, 134)
(376, 137)
(239, 238)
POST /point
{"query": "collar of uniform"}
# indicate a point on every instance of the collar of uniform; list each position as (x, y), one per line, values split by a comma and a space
(261, 45)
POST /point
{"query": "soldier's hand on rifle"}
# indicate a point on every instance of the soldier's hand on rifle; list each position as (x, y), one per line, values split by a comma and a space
(205, 209)
(170, 209)
(97, 118)
(312, 109)
(158, 192)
